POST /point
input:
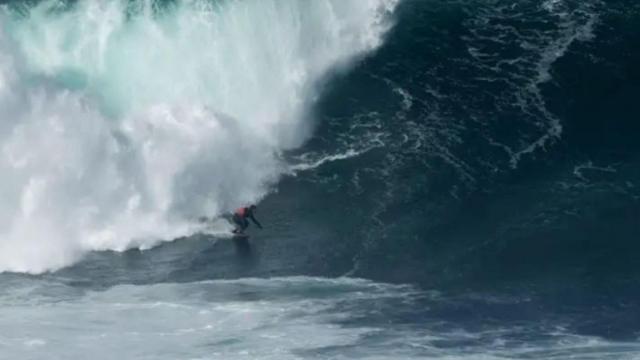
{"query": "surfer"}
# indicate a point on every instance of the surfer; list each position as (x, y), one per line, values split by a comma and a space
(240, 218)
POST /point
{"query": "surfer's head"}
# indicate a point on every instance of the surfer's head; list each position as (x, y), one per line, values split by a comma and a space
(252, 207)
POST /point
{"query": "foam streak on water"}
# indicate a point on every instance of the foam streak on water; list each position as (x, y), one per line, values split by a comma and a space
(279, 318)
(124, 120)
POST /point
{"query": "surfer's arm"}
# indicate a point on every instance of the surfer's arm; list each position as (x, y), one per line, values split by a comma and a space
(255, 221)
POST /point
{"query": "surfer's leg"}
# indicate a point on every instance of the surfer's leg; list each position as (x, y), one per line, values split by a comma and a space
(237, 220)
(245, 225)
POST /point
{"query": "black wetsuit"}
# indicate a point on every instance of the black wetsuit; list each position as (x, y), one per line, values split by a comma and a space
(241, 216)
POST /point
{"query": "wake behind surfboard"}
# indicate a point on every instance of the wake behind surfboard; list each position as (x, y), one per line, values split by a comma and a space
(239, 235)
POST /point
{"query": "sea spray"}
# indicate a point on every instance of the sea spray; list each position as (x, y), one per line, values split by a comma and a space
(122, 122)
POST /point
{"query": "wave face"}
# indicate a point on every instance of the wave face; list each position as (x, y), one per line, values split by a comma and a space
(486, 141)
(480, 141)
(123, 121)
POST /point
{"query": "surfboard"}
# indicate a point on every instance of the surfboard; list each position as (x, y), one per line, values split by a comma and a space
(240, 236)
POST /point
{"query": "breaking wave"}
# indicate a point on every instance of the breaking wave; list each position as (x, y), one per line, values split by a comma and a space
(124, 121)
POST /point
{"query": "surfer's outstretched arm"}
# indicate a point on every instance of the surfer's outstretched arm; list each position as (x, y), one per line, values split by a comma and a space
(255, 221)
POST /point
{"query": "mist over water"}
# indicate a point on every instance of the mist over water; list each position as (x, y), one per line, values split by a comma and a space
(124, 121)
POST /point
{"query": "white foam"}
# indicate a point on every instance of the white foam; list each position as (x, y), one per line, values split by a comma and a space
(279, 318)
(212, 319)
(122, 123)
(570, 32)
(303, 166)
(589, 166)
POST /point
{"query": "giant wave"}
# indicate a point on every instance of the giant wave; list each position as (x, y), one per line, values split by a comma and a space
(124, 121)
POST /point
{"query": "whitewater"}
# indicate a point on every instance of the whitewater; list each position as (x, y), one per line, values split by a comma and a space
(123, 122)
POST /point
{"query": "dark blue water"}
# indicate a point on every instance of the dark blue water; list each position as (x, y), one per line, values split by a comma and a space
(507, 147)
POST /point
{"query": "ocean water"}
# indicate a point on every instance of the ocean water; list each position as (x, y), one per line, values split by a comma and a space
(437, 179)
